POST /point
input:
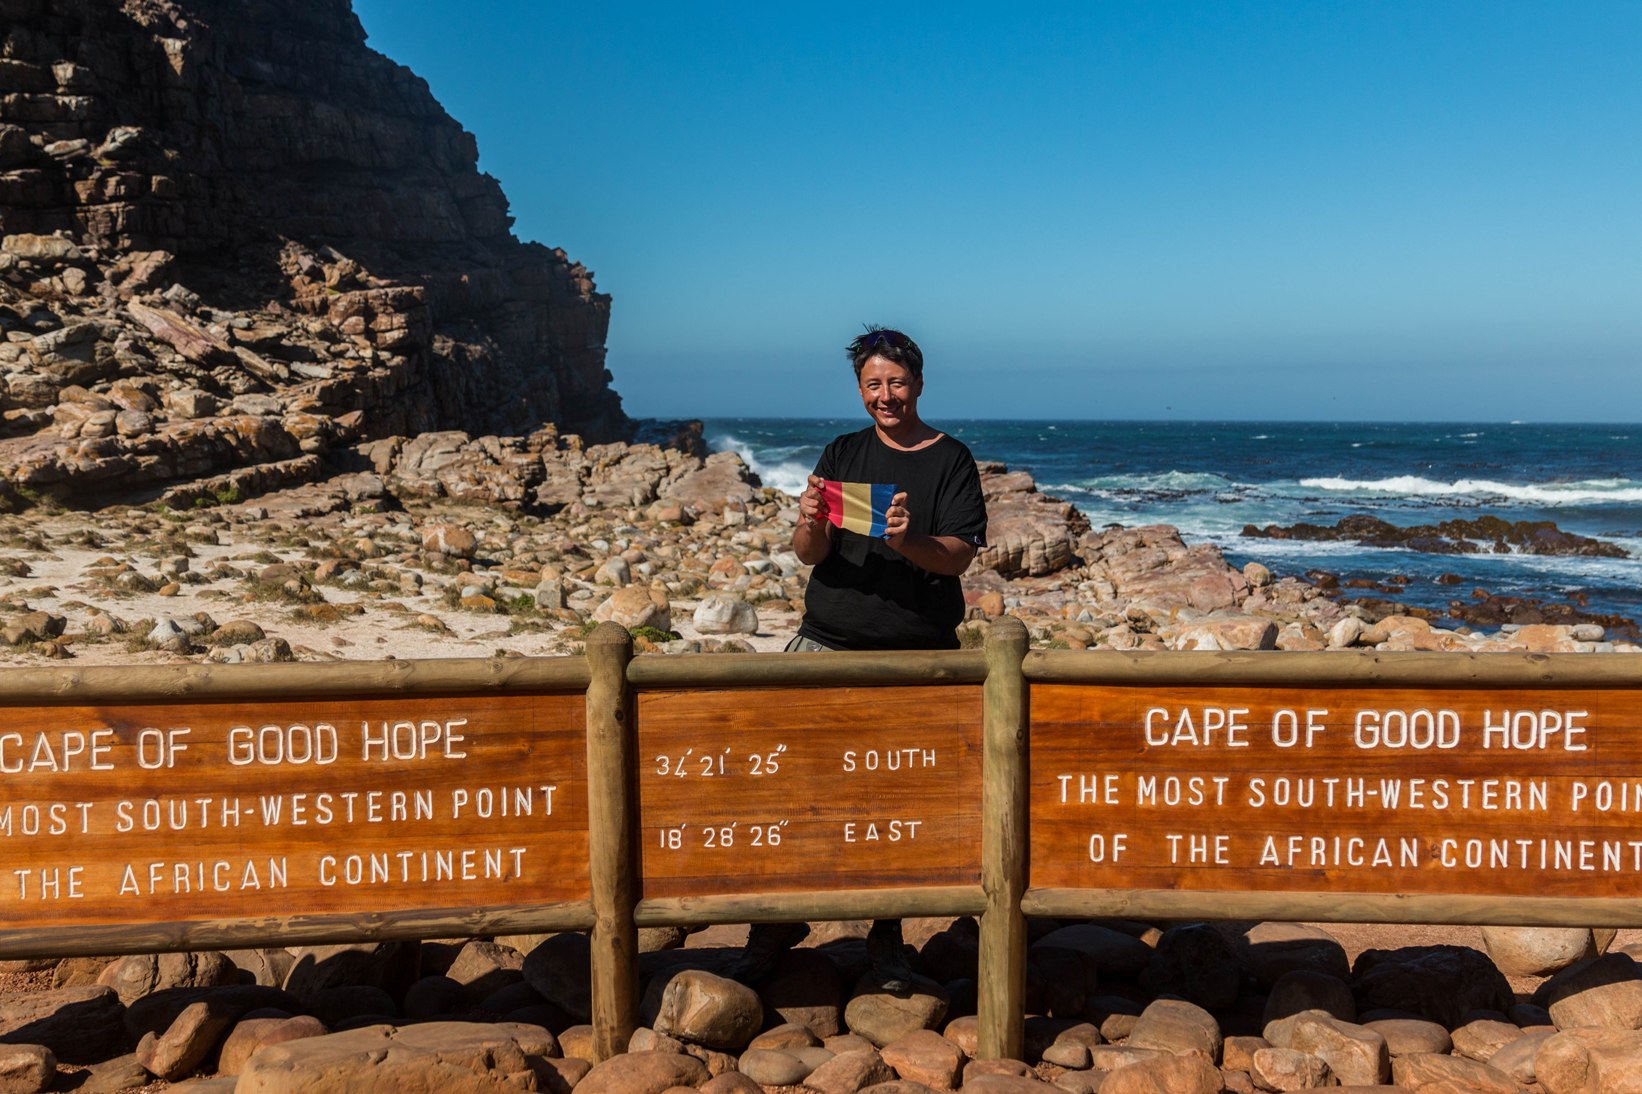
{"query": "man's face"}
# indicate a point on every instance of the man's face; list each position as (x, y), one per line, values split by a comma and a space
(890, 393)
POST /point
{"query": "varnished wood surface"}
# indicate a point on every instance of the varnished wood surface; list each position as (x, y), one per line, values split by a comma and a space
(1333, 668)
(204, 846)
(726, 738)
(612, 847)
(778, 907)
(274, 929)
(901, 667)
(131, 684)
(1097, 731)
(1001, 987)
(1337, 907)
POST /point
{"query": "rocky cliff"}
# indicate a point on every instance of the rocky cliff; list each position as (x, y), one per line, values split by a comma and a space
(234, 236)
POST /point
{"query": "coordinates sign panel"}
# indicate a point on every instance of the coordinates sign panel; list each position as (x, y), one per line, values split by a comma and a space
(1381, 790)
(761, 790)
(224, 810)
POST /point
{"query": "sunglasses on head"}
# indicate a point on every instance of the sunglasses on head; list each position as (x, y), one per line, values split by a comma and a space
(882, 337)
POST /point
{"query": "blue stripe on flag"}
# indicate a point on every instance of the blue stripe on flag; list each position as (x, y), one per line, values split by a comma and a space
(882, 495)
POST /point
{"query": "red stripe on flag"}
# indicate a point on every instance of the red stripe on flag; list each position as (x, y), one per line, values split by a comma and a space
(832, 492)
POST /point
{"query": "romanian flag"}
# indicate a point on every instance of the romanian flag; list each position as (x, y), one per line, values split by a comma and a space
(858, 506)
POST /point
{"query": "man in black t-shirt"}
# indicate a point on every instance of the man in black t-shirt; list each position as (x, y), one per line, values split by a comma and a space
(895, 592)
(900, 591)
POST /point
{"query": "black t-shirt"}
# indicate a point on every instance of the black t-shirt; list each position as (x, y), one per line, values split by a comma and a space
(866, 596)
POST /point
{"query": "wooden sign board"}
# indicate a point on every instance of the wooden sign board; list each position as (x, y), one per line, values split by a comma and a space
(1377, 790)
(753, 790)
(222, 810)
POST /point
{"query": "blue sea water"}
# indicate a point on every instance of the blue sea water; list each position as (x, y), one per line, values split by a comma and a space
(1209, 479)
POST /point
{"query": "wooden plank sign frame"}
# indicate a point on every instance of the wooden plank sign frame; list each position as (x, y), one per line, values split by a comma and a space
(177, 808)
(237, 806)
(1411, 788)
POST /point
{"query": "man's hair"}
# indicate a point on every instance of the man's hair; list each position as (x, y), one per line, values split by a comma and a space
(891, 345)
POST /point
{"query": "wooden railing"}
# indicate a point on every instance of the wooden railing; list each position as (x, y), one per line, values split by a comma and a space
(234, 806)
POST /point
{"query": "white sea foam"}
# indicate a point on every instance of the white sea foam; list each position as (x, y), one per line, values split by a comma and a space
(1169, 481)
(1585, 492)
(787, 475)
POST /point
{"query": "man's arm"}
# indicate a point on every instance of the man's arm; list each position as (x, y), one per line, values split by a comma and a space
(947, 555)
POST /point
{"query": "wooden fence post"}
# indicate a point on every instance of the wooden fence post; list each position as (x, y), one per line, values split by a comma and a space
(612, 839)
(1002, 986)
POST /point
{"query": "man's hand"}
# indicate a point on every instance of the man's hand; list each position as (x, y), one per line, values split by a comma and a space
(896, 520)
(812, 539)
(947, 555)
(812, 504)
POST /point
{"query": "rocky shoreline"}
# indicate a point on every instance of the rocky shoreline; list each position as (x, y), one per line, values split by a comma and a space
(449, 545)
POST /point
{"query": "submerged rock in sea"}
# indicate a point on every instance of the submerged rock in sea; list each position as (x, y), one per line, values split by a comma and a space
(1451, 537)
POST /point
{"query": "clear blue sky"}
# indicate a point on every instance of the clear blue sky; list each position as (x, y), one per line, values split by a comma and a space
(1401, 209)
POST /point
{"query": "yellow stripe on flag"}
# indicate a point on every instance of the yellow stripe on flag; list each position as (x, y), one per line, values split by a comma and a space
(858, 507)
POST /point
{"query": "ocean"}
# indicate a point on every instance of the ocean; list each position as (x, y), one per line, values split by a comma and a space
(1210, 479)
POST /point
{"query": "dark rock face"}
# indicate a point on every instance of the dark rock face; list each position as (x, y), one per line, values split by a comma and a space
(234, 233)
(1451, 537)
(1442, 983)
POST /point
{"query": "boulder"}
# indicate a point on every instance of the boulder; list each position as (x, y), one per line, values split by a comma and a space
(883, 1017)
(390, 966)
(1102, 949)
(773, 1067)
(849, 1072)
(1005, 1084)
(78, 1024)
(1481, 1038)
(1442, 983)
(137, 975)
(1272, 950)
(1589, 1061)
(1411, 1036)
(482, 967)
(561, 969)
(806, 989)
(1164, 1075)
(1195, 962)
(719, 613)
(730, 1082)
(635, 606)
(119, 1074)
(27, 1069)
(1028, 534)
(186, 1043)
(926, 1057)
(1305, 990)
(700, 1007)
(432, 1058)
(1178, 1027)
(251, 1034)
(1356, 1055)
(787, 1035)
(1286, 1069)
(644, 1073)
(1416, 1071)
(722, 478)
(1606, 991)
(1228, 630)
(267, 967)
(1537, 951)
(1517, 1057)
(158, 1012)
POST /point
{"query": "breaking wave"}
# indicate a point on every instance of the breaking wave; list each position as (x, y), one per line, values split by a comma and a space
(1583, 492)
